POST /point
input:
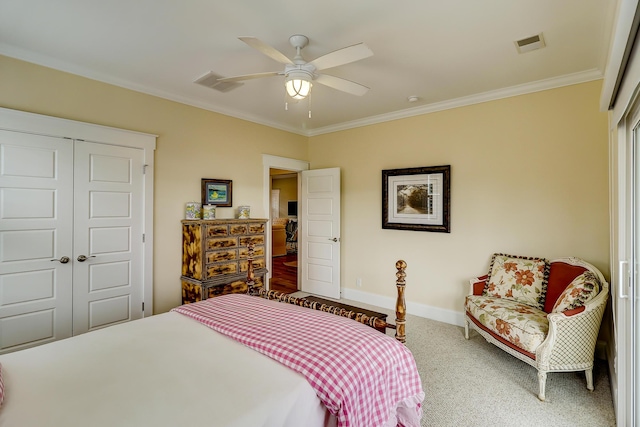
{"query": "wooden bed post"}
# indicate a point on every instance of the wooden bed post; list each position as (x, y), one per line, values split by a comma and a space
(251, 279)
(401, 306)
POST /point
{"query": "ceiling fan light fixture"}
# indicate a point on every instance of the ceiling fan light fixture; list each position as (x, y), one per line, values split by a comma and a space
(298, 84)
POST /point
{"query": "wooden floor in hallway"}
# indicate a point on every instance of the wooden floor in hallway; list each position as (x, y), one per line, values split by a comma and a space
(284, 275)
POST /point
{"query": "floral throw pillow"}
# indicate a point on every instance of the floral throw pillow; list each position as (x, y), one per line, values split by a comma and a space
(580, 291)
(521, 279)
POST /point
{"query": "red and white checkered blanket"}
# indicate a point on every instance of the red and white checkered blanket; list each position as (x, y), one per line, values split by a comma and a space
(362, 376)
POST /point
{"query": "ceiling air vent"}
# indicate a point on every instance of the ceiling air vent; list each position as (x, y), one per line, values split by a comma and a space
(210, 80)
(530, 43)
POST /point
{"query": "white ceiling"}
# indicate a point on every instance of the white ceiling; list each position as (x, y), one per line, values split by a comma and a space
(447, 53)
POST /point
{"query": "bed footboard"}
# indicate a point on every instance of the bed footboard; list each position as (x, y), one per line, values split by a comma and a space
(374, 322)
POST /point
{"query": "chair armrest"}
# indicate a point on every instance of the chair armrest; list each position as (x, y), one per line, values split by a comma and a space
(572, 336)
(477, 285)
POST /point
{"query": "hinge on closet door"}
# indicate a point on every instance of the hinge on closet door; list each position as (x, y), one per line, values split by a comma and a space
(143, 306)
(144, 169)
(142, 237)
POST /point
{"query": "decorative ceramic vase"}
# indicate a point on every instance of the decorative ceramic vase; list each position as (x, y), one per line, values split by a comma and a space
(193, 210)
(244, 212)
(209, 212)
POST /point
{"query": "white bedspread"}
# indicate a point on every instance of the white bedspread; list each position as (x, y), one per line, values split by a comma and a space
(165, 370)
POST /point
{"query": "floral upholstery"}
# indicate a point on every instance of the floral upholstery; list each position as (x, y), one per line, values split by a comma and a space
(518, 278)
(580, 291)
(520, 324)
(560, 338)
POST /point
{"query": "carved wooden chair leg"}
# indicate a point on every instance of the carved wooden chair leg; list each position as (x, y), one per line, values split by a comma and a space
(589, 374)
(542, 382)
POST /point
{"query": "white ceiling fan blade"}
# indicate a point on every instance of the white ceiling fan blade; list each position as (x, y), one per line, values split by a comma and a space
(342, 56)
(341, 84)
(270, 51)
(250, 76)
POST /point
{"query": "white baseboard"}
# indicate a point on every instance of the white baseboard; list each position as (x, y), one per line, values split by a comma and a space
(414, 308)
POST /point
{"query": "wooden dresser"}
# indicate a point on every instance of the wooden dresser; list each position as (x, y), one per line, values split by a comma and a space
(214, 256)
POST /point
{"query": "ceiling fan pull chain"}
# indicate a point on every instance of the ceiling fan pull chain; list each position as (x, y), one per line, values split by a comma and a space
(309, 98)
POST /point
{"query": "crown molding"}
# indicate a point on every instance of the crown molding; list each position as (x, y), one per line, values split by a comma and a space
(56, 64)
(537, 86)
(540, 85)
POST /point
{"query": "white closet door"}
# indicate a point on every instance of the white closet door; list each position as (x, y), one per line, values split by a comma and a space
(36, 208)
(108, 285)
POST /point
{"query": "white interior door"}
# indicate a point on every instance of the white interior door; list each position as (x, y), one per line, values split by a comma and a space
(275, 203)
(36, 212)
(108, 284)
(319, 229)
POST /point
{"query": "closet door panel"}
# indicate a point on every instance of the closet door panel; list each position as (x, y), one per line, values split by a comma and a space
(36, 199)
(108, 286)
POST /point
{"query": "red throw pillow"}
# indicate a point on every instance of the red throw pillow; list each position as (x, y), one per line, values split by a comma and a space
(560, 275)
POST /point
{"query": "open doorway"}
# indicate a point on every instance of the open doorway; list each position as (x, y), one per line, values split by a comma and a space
(318, 225)
(284, 230)
(289, 165)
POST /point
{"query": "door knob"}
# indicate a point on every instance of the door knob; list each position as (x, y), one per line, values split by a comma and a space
(63, 260)
(83, 258)
(335, 239)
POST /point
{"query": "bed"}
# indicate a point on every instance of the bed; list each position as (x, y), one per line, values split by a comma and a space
(236, 360)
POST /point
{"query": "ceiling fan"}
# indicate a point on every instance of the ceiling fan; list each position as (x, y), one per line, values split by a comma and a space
(300, 75)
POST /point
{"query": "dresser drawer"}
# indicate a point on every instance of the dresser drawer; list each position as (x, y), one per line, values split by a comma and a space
(238, 229)
(256, 240)
(256, 228)
(244, 252)
(236, 287)
(194, 290)
(221, 255)
(221, 242)
(258, 262)
(214, 270)
(217, 230)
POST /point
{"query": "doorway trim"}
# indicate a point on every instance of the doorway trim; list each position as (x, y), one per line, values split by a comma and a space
(275, 162)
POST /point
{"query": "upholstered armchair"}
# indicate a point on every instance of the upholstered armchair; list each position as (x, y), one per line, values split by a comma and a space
(553, 328)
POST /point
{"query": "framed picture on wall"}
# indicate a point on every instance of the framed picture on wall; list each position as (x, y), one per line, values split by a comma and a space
(417, 199)
(216, 192)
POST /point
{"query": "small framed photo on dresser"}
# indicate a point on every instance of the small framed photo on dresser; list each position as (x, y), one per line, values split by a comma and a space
(217, 192)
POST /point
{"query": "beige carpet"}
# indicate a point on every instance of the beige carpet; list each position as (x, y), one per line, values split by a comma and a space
(474, 384)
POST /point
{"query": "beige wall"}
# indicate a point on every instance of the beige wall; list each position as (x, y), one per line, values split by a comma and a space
(529, 176)
(192, 144)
